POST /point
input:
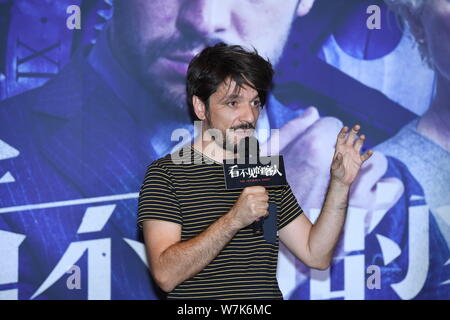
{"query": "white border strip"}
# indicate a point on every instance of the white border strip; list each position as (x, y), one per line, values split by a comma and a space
(69, 202)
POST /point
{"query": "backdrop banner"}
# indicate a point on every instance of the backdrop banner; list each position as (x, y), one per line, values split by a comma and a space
(93, 91)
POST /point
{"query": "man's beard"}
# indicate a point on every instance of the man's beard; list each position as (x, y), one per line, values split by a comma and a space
(143, 57)
(227, 144)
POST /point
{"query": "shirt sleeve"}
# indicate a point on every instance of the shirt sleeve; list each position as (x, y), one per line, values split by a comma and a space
(290, 209)
(157, 197)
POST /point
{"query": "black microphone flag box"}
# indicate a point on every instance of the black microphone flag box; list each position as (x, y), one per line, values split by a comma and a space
(263, 171)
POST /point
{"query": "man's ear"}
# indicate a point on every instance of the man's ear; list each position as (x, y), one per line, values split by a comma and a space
(304, 7)
(199, 107)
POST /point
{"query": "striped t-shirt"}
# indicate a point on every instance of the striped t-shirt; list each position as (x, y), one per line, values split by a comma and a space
(193, 195)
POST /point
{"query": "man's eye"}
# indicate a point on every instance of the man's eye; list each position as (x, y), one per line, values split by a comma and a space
(232, 103)
(256, 103)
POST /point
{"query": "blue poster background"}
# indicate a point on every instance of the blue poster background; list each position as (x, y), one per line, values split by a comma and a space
(78, 130)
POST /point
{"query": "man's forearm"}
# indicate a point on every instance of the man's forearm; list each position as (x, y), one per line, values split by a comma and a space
(325, 233)
(185, 259)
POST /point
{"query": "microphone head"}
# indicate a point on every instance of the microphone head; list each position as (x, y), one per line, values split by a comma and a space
(248, 148)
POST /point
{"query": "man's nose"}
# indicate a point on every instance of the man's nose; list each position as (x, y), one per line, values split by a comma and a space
(248, 114)
(204, 18)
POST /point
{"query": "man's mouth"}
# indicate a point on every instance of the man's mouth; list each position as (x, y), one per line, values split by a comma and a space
(244, 132)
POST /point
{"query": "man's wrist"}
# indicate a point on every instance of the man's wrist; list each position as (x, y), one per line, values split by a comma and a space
(230, 221)
(336, 183)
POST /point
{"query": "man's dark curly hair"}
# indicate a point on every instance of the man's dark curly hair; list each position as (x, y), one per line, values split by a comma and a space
(215, 64)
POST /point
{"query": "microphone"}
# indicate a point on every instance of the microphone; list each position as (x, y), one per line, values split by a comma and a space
(250, 169)
(248, 150)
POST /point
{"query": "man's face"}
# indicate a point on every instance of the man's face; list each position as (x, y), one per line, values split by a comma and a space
(233, 111)
(160, 37)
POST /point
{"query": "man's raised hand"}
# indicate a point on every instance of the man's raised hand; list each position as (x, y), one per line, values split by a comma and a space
(347, 159)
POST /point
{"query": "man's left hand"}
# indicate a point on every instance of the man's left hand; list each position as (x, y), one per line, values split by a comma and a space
(347, 159)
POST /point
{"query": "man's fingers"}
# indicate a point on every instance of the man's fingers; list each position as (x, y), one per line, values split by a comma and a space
(341, 135)
(352, 134)
(367, 155)
(256, 190)
(359, 143)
